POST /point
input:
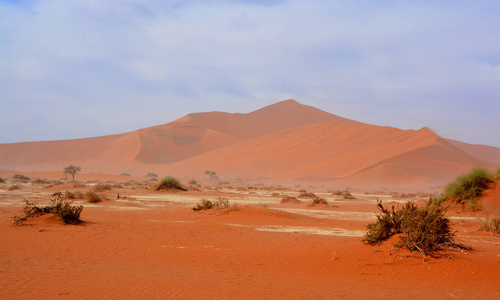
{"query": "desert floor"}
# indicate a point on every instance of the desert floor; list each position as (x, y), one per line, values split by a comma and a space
(152, 245)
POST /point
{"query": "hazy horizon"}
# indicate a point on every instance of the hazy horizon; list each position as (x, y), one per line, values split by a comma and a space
(84, 68)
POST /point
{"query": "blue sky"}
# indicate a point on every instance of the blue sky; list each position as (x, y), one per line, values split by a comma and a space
(73, 69)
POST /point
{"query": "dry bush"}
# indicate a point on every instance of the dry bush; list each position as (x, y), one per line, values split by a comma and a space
(348, 195)
(92, 197)
(305, 194)
(62, 209)
(14, 187)
(101, 187)
(20, 178)
(203, 205)
(290, 199)
(491, 225)
(39, 181)
(424, 229)
(2, 180)
(318, 200)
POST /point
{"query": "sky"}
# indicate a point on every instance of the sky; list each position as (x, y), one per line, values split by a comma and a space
(75, 69)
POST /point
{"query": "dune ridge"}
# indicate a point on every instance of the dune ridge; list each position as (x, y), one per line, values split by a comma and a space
(286, 142)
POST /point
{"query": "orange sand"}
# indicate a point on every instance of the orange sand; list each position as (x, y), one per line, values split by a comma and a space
(126, 250)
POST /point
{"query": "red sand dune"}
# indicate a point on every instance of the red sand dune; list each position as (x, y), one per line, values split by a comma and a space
(286, 141)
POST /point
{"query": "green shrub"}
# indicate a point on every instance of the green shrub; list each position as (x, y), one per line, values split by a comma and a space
(62, 209)
(101, 187)
(425, 229)
(491, 225)
(467, 188)
(169, 184)
(92, 197)
(151, 175)
(125, 174)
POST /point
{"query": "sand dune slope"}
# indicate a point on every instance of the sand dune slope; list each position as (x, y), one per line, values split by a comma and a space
(286, 141)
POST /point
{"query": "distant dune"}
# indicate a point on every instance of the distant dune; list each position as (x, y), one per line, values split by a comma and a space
(285, 142)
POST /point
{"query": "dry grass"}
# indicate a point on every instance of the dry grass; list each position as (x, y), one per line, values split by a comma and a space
(491, 225)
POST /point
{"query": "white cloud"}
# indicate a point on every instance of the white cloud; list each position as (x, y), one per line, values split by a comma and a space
(372, 61)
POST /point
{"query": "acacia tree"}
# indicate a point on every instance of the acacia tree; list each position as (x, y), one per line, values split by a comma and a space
(212, 174)
(72, 170)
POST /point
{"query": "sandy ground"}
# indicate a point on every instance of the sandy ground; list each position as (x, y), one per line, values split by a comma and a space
(152, 245)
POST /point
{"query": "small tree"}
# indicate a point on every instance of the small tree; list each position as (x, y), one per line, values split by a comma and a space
(72, 170)
(212, 175)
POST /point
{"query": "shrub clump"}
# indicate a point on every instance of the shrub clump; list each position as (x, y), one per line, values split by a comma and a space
(289, 199)
(2, 180)
(222, 203)
(467, 188)
(62, 209)
(20, 177)
(169, 184)
(151, 175)
(425, 229)
(318, 200)
(73, 195)
(491, 225)
(92, 197)
(125, 174)
(101, 187)
(204, 204)
(14, 187)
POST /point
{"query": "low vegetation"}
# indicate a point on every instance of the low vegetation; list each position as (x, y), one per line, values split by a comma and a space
(125, 174)
(467, 188)
(14, 187)
(318, 200)
(101, 187)
(63, 209)
(222, 203)
(73, 195)
(169, 184)
(151, 175)
(424, 229)
(20, 178)
(491, 225)
(2, 180)
(290, 199)
(92, 197)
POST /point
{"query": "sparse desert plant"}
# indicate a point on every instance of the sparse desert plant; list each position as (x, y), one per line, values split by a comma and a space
(125, 174)
(62, 209)
(69, 195)
(151, 175)
(203, 205)
(305, 194)
(14, 187)
(348, 195)
(289, 199)
(20, 178)
(39, 181)
(491, 225)
(221, 203)
(169, 184)
(424, 229)
(2, 180)
(467, 188)
(92, 197)
(101, 187)
(192, 182)
(318, 200)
